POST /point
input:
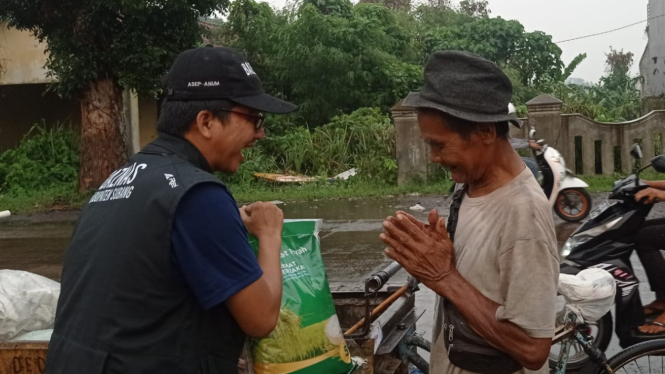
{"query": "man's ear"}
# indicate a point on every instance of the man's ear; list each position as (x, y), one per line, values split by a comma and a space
(204, 123)
(487, 133)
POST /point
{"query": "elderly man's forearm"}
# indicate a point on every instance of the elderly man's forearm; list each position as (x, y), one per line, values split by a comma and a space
(480, 312)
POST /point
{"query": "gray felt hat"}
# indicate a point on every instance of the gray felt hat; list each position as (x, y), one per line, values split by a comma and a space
(466, 86)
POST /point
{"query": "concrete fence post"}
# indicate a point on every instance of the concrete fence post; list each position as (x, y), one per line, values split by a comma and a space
(545, 117)
(411, 151)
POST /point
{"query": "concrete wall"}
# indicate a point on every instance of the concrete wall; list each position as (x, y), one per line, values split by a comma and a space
(22, 57)
(646, 129)
(649, 104)
(652, 64)
(558, 130)
(561, 131)
(22, 106)
(520, 133)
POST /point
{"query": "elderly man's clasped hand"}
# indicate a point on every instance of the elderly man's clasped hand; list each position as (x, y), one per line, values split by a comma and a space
(425, 251)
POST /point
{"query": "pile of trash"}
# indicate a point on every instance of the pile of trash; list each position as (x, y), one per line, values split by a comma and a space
(302, 179)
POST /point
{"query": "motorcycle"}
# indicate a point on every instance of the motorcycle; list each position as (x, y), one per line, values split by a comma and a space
(567, 193)
(607, 241)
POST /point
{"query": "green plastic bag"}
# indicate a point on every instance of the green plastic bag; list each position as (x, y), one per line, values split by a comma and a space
(308, 337)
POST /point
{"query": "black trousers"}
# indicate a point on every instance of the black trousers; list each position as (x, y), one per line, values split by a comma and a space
(650, 242)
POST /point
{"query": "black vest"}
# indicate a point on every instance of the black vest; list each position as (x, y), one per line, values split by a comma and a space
(124, 306)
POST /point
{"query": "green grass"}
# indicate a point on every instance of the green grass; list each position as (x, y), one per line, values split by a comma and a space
(603, 183)
(66, 198)
(267, 192)
(57, 198)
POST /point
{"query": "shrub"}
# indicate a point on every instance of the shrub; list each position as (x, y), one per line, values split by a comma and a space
(47, 157)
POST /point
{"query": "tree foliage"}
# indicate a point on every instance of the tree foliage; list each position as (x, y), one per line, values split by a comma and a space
(502, 41)
(614, 98)
(475, 7)
(329, 57)
(131, 42)
(332, 57)
(618, 67)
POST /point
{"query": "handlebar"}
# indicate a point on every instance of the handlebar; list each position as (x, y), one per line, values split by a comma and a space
(379, 279)
(627, 188)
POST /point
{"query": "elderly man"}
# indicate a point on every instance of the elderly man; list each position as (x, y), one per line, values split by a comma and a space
(497, 285)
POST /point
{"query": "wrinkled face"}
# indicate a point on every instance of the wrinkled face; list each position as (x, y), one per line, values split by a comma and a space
(464, 158)
(229, 138)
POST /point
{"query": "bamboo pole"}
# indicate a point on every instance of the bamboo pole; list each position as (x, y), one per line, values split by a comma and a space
(380, 308)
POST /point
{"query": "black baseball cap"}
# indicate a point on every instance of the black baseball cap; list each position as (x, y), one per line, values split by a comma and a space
(210, 73)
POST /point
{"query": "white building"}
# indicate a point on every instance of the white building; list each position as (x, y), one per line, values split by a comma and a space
(24, 101)
(652, 64)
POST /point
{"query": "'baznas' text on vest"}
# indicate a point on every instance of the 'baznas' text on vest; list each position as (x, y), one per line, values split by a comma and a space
(117, 185)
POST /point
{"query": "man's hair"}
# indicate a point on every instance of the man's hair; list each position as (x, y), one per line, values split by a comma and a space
(465, 127)
(177, 117)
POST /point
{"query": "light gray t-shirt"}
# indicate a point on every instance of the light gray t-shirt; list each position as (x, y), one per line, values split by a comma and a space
(505, 246)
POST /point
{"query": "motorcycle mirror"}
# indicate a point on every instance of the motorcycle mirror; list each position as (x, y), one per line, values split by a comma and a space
(658, 163)
(532, 133)
(636, 151)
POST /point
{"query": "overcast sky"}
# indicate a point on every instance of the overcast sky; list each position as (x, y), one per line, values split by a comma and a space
(567, 19)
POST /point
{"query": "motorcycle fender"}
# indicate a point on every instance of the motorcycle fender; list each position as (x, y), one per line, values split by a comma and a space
(571, 182)
(555, 176)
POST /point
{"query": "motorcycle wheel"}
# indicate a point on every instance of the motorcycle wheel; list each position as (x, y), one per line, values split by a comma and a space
(578, 361)
(573, 204)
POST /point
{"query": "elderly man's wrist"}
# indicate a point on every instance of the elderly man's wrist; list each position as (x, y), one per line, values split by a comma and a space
(447, 282)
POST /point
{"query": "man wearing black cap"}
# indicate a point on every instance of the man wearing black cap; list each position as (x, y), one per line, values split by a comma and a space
(497, 285)
(159, 276)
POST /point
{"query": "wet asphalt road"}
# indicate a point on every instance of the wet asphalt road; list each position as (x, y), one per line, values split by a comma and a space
(349, 240)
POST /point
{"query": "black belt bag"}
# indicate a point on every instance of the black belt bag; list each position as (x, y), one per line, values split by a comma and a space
(466, 349)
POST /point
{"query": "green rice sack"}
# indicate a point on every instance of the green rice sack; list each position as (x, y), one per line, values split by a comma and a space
(308, 338)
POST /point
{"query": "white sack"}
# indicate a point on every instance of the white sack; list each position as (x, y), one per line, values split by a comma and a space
(27, 303)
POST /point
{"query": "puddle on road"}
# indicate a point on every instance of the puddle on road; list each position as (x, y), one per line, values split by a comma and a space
(350, 242)
(350, 237)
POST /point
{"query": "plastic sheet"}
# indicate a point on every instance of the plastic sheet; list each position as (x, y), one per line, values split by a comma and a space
(27, 303)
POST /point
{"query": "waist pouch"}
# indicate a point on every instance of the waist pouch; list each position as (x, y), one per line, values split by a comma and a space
(468, 351)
